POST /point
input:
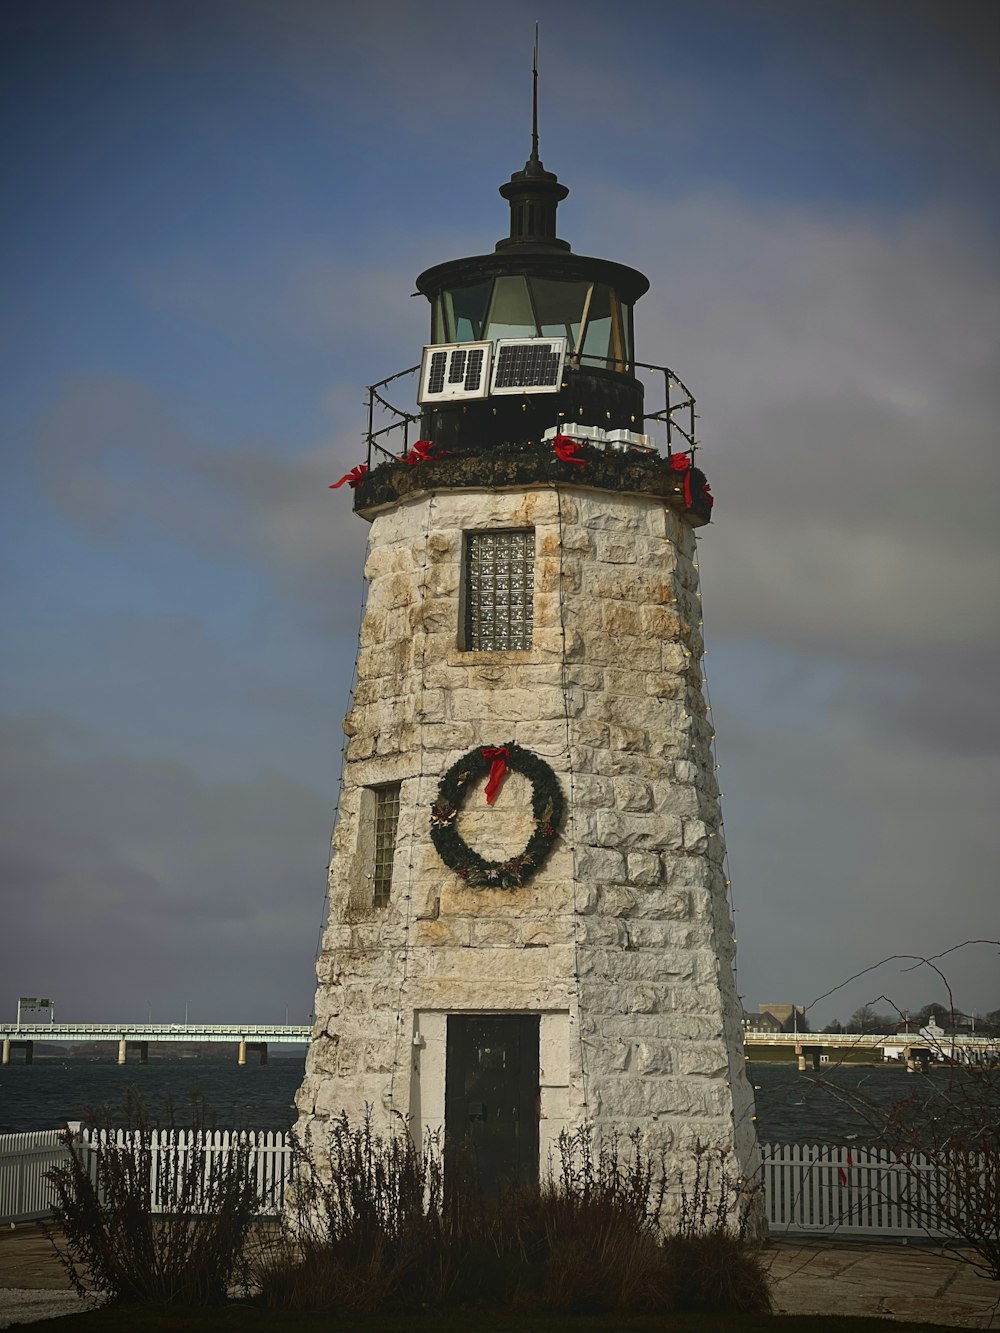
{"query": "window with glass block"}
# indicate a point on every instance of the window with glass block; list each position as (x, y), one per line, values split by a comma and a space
(499, 590)
(386, 819)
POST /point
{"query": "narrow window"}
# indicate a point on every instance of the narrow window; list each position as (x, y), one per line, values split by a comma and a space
(499, 590)
(386, 819)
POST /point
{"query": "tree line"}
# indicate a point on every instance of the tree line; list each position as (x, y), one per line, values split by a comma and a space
(867, 1019)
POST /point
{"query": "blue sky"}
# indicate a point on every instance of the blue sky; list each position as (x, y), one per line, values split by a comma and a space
(214, 216)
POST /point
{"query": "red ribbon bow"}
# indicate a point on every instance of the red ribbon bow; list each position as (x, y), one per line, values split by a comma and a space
(567, 449)
(682, 463)
(422, 452)
(353, 478)
(840, 1170)
(498, 769)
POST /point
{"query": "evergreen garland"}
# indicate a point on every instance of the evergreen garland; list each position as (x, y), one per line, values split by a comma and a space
(546, 806)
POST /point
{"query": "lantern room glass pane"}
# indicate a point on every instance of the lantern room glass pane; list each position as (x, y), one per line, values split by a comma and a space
(558, 308)
(597, 339)
(511, 315)
(463, 312)
(499, 590)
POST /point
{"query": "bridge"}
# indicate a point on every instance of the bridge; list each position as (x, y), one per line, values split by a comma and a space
(254, 1037)
(918, 1049)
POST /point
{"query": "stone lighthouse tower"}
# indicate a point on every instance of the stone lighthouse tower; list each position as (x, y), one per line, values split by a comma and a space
(529, 926)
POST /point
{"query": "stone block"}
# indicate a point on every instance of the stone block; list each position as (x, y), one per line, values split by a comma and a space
(629, 738)
(444, 544)
(615, 548)
(696, 835)
(661, 622)
(585, 677)
(664, 685)
(600, 865)
(674, 657)
(618, 584)
(644, 868)
(632, 794)
(621, 618)
(592, 792)
(591, 731)
(547, 739)
(653, 1058)
(625, 682)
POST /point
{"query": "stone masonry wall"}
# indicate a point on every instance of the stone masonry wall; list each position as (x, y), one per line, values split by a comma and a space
(623, 940)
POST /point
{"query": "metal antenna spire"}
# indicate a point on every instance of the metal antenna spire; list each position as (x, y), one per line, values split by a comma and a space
(534, 100)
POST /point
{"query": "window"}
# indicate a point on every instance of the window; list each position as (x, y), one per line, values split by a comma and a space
(499, 590)
(514, 306)
(386, 819)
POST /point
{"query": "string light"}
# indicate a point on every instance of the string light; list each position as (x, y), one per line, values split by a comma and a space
(415, 804)
(584, 1081)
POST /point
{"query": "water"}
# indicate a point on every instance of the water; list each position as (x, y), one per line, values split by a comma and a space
(46, 1094)
(791, 1107)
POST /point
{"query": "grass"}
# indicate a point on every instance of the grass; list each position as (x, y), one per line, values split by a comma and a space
(176, 1319)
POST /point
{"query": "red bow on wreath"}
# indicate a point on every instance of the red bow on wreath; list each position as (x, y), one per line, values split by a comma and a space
(354, 478)
(422, 452)
(498, 769)
(567, 449)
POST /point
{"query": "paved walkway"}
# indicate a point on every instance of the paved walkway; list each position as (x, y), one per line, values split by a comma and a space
(911, 1284)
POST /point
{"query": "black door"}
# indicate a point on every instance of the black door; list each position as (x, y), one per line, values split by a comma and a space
(491, 1101)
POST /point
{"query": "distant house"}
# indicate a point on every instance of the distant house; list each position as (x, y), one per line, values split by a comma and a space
(782, 1018)
(766, 1020)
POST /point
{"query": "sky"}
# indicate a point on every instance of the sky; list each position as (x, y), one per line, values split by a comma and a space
(213, 216)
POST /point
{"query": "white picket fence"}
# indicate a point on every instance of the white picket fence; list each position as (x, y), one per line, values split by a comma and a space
(823, 1190)
(25, 1193)
(808, 1190)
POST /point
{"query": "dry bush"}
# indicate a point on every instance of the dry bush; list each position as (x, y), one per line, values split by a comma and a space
(112, 1243)
(370, 1228)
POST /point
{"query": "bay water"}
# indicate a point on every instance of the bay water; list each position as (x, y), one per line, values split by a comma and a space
(792, 1107)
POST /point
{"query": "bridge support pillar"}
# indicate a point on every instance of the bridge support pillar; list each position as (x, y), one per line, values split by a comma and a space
(241, 1055)
(809, 1057)
(259, 1046)
(9, 1046)
(143, 1048)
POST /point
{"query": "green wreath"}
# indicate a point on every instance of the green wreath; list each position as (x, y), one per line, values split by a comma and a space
(546, 806)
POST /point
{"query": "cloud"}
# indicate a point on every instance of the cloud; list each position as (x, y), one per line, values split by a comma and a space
(842, 363)
(132, 880)
(844, 851)
(115, 461)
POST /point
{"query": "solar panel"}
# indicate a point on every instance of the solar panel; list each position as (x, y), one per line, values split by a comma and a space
(454, 370)
(528, 365)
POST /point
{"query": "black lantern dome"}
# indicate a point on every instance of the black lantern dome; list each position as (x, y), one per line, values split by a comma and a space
(533, 289)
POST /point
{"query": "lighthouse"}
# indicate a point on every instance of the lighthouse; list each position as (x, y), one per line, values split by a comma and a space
(529, 927)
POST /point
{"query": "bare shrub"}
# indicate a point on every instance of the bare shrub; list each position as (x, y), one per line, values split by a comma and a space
(944, 1136)
(112, 1243)
(716, 1266)
(364, 1227)
(370, 1228)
